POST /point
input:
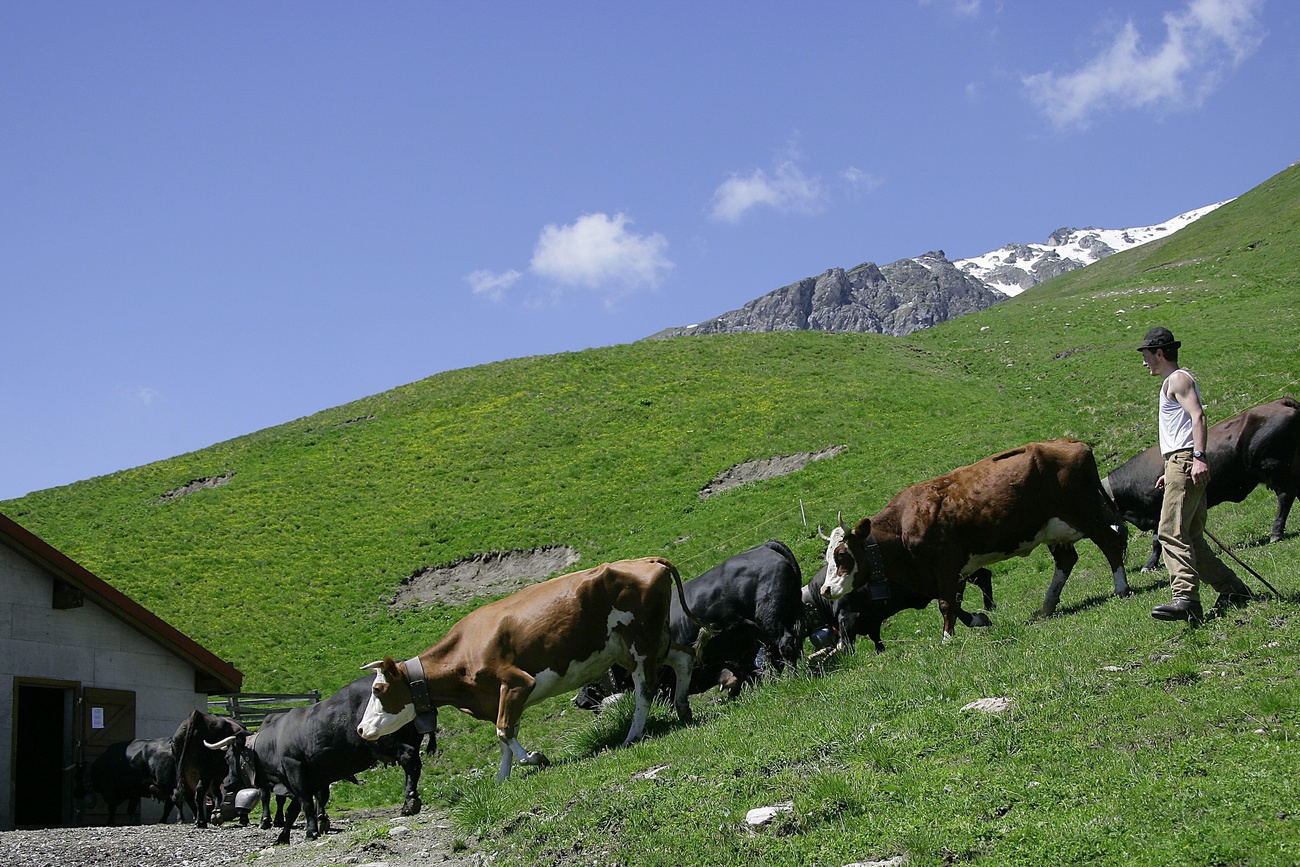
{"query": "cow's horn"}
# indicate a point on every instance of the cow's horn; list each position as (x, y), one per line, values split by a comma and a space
(822, 533)
(222, 744)
(840, 515)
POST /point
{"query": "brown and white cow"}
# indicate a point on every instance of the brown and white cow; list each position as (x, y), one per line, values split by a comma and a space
(544, 640)
(932, 533)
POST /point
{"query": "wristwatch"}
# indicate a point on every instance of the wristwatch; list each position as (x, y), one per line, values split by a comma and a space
(1198, 454)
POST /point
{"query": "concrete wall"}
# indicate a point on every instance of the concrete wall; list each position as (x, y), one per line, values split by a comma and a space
(86, 645)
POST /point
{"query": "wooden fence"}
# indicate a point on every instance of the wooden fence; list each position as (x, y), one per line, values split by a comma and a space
(251, 708)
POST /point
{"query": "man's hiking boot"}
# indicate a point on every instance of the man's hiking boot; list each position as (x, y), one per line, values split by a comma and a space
(1180, 609)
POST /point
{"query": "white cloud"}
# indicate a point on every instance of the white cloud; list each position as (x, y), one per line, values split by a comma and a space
(492, 285)
(860, 180)
(598, 252)
(1201, 43)
(789, 189)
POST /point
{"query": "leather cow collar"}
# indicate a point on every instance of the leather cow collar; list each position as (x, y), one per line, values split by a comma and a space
(426, 716)
(877, 581)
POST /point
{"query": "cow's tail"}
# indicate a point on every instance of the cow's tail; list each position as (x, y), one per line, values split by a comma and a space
(182, 786)
(707, 630)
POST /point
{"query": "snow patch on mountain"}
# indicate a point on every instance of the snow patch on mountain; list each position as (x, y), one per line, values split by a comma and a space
(1016, 267)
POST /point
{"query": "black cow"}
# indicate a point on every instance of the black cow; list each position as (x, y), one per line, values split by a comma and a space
(199, 772)
(1258, 446)
(131, 770)
(752, 601)
(308, 748)
(855, 613)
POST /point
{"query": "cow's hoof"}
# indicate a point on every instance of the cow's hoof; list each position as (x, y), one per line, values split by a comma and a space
(265, 824)
(411, 807)
(980, 620)
(283, 839)
(323, 826)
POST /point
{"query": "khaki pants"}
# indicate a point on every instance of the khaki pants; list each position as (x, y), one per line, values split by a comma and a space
(1182, 534)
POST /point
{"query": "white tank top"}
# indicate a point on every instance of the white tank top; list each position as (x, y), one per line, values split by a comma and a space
(1175, 423)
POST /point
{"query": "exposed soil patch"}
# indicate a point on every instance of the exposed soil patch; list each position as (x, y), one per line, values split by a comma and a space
(196, 485)
(483, 575)
(767, 468)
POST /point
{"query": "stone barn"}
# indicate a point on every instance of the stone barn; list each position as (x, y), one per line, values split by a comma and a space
(82, 666)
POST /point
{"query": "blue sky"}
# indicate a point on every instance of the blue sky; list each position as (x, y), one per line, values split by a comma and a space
(218, 217)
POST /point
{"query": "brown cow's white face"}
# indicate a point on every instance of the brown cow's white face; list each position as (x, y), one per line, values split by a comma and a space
(390, 706)
(841, 567)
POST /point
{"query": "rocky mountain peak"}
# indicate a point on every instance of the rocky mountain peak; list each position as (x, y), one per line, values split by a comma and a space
(921, 291)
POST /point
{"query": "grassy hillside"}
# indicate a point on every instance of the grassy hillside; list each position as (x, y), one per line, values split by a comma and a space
(1183, 753)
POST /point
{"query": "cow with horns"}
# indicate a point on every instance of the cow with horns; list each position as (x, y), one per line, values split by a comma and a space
(308, 748)
(1260, 446)
(199, 773)
(544, 640)
(835, 624)
(931, 534)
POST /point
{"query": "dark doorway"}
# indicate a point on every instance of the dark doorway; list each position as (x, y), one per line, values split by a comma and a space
(41, 755)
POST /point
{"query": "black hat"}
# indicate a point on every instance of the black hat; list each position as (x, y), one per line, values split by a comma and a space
(1159, 338)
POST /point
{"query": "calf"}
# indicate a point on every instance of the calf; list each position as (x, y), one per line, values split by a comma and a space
(932, 533)
(309, 747)
(544, 640)
(1260, 446)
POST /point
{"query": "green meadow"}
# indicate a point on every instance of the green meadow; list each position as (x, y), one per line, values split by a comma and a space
(1128, 741)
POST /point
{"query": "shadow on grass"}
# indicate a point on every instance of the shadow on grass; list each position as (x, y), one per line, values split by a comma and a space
(1155, 580)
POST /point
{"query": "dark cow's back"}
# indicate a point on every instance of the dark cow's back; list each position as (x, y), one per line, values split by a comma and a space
(753, 599)
(308, 748)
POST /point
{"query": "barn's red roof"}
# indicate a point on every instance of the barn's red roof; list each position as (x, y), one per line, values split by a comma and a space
(213, 674)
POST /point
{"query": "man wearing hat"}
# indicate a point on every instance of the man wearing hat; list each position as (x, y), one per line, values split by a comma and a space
(1185, 480)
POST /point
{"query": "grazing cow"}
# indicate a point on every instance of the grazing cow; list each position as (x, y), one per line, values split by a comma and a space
(131, 770)
(1258, 446)
(753, 601)
(545, 639)
(932, 533)
(855, 613)
(199, 771)
(310, 747)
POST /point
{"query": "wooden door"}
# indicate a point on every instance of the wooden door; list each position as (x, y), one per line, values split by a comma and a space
(107, 717)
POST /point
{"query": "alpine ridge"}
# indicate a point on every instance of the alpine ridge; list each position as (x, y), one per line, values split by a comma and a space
(921, 291)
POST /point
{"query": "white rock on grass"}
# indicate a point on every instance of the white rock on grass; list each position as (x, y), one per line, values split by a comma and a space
(989, 705)
(760, 816)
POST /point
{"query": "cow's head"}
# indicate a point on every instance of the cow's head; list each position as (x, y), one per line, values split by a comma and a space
(391, 705)
(240, 761)
(843, 556)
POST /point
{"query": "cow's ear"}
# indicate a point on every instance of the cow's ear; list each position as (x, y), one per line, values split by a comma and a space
(391, 673)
